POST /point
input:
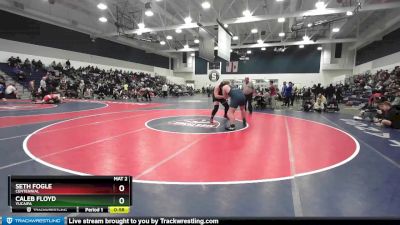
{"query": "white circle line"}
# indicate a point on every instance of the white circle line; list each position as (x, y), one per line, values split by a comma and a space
(357, 150)
(105, 105)
(175, 132)
(27, 109)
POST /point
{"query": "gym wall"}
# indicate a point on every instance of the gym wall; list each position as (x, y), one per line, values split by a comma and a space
(383, 54)
(35, 32)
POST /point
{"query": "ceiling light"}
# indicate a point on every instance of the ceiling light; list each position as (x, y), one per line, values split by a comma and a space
(188, 19)
(281, 20)
(206, 5)
(102, 6)
(169, 37)
(103, 19)
(231, 50)
(246, 13)
(141, 25)
(248, 51)
(319, 48)
(254, 30)
(162, 43)
(226, 25)
(349, 13)
(186, 46)
(158, 0)
(235, 38)
(196, 41)
(263, 48)
(139, 33)
(281, 34)
(216, 48)
(279, 0)
(178, 31)
(320, 5)
(193, 55)
(148, 12)
(306, 38)
(335, 30)
(301, 46)
(260, 41)
(309, 25)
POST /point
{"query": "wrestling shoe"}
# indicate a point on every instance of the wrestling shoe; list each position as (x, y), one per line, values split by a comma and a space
(231, 127)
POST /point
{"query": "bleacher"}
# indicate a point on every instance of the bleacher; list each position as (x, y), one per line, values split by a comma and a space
(31, 75)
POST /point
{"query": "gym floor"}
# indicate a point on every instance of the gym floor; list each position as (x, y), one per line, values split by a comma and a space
(284, 163)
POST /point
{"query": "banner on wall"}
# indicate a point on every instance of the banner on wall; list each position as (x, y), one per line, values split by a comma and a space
(214, 71)
(232, 67)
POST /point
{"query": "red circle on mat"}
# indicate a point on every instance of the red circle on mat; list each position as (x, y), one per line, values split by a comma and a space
(272, 148)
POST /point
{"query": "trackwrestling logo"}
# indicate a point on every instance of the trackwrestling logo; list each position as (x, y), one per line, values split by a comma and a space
(201, 123)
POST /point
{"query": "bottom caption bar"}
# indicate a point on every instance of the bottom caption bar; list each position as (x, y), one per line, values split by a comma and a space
(10, 220)
(111, 209)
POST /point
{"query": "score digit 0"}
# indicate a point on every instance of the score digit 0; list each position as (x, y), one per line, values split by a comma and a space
(121, 200)
(121, 188)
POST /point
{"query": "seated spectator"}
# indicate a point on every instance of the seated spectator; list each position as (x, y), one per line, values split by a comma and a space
(59, 66)
(20, 74)
(320, 103)
(88, 93)
(39, 64)
(391, 115)
(27, 64)
(369, 110)
(11, 92)
(2, 91)
(11, 61)
(396, 100)
(18, 61)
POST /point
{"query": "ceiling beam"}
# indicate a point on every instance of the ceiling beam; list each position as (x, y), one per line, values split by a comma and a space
(251, 19)
(379, 29)
(61, 22)
(289, 43)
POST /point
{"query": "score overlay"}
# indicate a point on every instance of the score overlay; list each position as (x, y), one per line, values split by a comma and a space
(85, 194)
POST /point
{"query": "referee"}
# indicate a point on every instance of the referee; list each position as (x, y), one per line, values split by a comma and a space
(248, 91)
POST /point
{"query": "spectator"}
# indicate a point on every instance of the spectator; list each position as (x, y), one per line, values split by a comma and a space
(320, 103)
(68, 64)
(165, 90)
(27, 64)
(283, 92)
(2, 90)
(248, 91)
(391, 115)
(272, 93)
(329, 92)
(18, 61)
(288, 94)
(396, 100)
(39, 64)
(11, 92)
(43, 86)
(11, 61)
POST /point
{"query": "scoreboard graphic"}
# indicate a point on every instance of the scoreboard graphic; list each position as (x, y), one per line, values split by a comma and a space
(85, 194)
